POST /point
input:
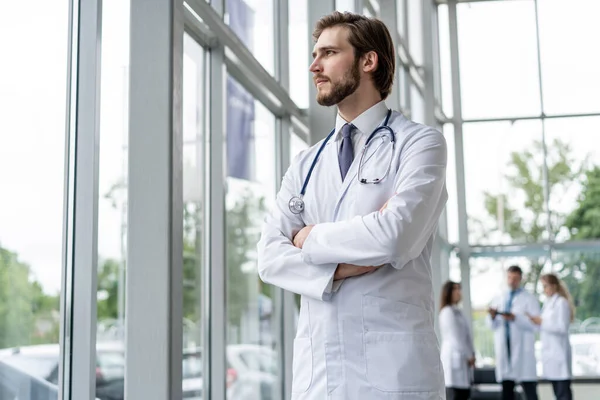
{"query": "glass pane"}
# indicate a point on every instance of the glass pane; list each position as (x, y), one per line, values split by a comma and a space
(415, 30)
(573, 151)
(400, 15)
(32, 157)
(296, 146)
(112, 201)
(251, 320)
(504, 182)
(580, 271)
(298, 51)
(451, 185)
(252, 21)
(445, 70)
(193, 214)
(498, 66)
(488, 281)
(569, 65)
(417, 105)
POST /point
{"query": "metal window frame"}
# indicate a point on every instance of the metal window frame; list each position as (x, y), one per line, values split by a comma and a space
(154, 328)
(77, 368)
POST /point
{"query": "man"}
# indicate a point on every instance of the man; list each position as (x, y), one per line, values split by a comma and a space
(514, 337)
(356, 242)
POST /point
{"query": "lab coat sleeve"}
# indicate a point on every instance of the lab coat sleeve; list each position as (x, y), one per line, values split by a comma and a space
(495, 323)
(560, 324)
(279, 261)
(399, 233)
(453, 334)
(533, 309)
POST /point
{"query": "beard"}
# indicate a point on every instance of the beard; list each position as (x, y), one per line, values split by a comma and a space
(341, 89)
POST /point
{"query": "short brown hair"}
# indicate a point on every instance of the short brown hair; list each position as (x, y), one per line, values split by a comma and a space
(365, 35)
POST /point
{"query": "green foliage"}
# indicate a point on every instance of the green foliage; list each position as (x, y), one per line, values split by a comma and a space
(582, 271)
(24, 308)
(521, 212)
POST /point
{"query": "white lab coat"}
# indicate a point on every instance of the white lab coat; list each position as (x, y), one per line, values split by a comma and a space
(522, 365)
(368, 337)
(457, 347)
(554, 335)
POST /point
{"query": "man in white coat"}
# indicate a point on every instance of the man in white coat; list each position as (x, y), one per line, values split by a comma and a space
(354, 237)
(514, 337)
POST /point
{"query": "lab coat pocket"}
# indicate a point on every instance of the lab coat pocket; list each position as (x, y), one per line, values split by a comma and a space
(402, 362)
(302, 365)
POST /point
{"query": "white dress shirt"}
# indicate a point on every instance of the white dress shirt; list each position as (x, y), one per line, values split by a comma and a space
(365, 123)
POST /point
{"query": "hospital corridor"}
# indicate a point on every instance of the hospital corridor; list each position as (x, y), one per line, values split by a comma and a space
(300, 200)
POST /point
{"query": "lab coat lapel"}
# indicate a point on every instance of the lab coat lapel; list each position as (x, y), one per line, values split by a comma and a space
(348, 181)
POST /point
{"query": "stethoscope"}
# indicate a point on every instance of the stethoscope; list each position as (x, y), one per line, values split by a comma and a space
(296, 203)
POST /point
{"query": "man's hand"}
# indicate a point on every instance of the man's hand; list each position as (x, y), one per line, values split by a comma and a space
(509, 316)
(471, 362)
(301, 236)
(344, 271)
(493, 312)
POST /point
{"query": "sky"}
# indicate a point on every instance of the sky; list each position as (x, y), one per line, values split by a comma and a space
(498, 72)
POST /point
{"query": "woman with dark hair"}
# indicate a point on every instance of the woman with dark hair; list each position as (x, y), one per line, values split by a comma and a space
(557, 314)
(457, 351)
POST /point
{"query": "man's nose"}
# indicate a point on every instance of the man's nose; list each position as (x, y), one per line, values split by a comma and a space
(315, 67)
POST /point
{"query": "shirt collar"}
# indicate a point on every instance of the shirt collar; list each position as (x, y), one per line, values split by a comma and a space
(366, 122)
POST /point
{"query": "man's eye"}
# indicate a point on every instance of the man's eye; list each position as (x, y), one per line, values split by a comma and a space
(329, 52)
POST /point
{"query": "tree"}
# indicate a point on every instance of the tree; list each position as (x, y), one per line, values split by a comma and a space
(520, 212)
(581, 272)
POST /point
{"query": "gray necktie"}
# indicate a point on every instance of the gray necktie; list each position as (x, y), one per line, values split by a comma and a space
(346, 154)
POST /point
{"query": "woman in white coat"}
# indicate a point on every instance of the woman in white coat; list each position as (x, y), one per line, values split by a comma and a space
(557, 314)
(457, 351)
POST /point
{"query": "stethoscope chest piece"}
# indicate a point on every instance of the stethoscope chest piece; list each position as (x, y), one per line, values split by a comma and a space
(296, 205)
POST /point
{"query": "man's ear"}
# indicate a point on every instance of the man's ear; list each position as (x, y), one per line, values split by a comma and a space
(370, 62)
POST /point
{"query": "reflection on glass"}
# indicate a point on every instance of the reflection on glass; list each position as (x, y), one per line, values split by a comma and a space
(298, 51)
(504, 182)
(32, 144)
(572, 152)
(112, 202)
(252, 21)
(252, 369)
(569, 69)
(498, 66)
(194, 111)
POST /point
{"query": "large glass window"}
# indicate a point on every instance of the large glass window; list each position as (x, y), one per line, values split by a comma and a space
(112, 204)
(32, 175)
(504, 182)
(498, 65)
(251, 318)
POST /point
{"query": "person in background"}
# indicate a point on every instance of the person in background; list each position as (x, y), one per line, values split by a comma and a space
(557, 314)
(514, 337)
(457, 351)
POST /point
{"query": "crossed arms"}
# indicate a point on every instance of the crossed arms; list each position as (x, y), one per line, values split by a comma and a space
(393, 235)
